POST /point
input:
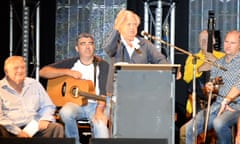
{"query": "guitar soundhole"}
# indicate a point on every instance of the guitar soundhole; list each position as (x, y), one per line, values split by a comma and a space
(64, 88)
(75, 92)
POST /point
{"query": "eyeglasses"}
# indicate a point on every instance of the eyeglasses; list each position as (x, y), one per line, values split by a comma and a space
(86, 43)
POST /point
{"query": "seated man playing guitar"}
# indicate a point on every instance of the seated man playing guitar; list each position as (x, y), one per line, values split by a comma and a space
(85, 67)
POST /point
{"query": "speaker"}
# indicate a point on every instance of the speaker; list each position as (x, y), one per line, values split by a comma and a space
(37, 141)
(144, 105)
(128, 141)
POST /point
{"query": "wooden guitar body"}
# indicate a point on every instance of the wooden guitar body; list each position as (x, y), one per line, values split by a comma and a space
(61, 90)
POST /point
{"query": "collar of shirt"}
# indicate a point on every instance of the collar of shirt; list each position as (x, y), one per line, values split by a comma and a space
(135, 45)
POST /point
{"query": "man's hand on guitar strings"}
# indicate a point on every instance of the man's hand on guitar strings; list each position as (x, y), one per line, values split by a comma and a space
(75, 74)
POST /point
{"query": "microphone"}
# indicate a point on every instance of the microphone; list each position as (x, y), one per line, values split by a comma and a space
(143, 33)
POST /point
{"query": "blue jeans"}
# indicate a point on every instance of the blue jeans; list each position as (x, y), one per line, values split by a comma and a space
(222, 124)
(71, 112)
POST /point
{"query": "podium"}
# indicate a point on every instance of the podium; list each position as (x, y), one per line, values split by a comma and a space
(145, 101)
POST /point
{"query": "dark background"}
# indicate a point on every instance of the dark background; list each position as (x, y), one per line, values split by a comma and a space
(47, 37)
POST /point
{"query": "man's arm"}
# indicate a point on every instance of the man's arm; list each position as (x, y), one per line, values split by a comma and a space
(52, 72)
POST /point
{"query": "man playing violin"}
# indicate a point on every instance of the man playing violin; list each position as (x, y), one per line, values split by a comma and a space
(224, 111)
(201, 67)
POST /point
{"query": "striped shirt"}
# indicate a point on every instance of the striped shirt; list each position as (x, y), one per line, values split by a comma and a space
(230, 78)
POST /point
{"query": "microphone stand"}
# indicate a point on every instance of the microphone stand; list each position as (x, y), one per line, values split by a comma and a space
(195, 58)
(211, 27)
(183, 51)
(194, 128)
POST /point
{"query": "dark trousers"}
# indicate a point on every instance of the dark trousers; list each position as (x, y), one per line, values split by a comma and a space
(54, 130)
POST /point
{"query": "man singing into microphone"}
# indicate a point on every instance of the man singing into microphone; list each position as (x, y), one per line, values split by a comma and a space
(123, 44)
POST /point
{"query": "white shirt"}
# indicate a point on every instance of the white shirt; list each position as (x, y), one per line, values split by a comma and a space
(135, 45)
(87, 74)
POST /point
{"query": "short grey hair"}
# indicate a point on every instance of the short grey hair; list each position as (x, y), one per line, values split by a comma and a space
(84, 35)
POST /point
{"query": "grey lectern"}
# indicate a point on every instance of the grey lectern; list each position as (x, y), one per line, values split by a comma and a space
(145, 107)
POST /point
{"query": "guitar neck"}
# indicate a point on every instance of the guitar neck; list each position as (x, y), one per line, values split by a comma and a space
(89, 95)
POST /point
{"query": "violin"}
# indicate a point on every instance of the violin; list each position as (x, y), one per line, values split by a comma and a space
(217, 82)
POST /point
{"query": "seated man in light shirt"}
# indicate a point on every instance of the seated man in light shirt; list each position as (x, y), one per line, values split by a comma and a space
(26, 110)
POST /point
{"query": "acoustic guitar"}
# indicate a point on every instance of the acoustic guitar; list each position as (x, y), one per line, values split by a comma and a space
(67, 89)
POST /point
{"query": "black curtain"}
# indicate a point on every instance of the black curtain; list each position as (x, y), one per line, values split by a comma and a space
(47, 34)
(5, 9)
(47, 30)
(137, 6)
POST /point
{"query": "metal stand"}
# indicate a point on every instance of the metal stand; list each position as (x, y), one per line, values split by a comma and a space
(194, 101)
(161, 28)
(35, 33)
